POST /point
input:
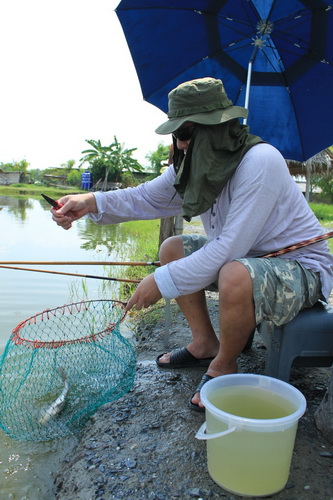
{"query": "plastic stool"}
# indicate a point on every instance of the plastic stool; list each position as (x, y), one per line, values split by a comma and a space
(307, 340)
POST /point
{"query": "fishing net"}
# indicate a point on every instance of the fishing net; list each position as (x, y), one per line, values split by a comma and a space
(60, 365)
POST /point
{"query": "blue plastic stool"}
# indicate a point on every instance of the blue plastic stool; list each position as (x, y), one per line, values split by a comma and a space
(307, 340)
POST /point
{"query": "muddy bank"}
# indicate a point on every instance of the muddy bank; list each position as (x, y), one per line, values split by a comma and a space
(143, 446)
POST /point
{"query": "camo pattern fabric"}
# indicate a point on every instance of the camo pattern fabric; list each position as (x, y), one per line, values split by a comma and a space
(281, 287)
(193, 242)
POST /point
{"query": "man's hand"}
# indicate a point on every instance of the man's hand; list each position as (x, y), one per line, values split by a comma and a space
(146, 294)
(73, 207)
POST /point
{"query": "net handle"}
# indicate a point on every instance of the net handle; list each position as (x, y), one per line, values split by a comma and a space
(17, 339)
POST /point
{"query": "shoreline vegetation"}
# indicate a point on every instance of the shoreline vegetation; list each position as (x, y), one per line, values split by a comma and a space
(323, 211)
(35, 190)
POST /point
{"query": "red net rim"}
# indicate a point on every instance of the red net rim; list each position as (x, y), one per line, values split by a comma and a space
(75, 307)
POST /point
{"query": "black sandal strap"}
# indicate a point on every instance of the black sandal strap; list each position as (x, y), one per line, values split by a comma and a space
(205, 378)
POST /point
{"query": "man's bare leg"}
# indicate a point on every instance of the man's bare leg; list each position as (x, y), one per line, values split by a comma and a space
(237, 319)
(194, 307)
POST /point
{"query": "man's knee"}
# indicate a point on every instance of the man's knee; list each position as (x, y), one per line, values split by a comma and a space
(171, 249)
(234, 279)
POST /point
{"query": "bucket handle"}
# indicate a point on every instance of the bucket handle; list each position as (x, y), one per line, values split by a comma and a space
(201, 434)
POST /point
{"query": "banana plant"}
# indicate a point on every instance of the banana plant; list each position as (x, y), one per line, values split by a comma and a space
(111, 161)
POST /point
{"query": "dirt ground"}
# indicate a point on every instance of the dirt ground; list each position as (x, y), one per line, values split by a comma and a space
(143, 446)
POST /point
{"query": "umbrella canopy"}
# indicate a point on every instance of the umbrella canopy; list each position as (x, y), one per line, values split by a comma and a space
(281, 50)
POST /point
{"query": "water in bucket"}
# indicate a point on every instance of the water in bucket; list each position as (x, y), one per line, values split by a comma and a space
(251, 423)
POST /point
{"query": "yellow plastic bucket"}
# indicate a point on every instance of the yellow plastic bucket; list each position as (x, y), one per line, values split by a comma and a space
(250, 429)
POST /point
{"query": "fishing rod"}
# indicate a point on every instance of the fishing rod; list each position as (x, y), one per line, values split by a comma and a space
(78, 263)
(7, 265)
(276, 253)
(71, 274)
(304, 243)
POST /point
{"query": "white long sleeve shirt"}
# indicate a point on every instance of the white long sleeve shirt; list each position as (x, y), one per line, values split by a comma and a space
(261, 209)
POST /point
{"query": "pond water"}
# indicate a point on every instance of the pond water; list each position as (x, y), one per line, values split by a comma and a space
(29, 234)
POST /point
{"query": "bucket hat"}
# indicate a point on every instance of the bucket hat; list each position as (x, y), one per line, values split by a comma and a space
(203, 101)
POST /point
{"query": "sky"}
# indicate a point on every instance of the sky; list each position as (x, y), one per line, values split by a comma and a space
(67, 76)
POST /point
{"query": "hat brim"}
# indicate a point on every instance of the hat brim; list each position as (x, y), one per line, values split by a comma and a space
(208, 118)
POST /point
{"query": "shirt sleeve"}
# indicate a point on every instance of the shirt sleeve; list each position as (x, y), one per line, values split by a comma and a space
(150, 200)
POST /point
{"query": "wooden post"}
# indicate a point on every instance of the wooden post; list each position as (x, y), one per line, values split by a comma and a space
(169, 226)
(179, 224)
(167, 229)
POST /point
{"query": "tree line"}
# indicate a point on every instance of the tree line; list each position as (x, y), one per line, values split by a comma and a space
(107, 164)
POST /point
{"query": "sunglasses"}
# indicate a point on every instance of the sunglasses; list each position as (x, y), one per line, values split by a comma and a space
(184, 134)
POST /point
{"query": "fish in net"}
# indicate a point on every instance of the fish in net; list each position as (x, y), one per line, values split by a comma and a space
(60, 366)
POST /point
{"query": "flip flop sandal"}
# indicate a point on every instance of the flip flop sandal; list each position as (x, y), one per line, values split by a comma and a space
(205, 378)
(182, 358)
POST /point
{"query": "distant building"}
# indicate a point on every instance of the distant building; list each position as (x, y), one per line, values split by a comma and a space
(7, 178)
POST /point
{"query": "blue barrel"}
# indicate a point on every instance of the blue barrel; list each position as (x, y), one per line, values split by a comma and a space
(86, 180)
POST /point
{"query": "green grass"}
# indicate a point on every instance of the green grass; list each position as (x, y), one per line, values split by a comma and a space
(36, 190)
(324, 212)
(145, 234)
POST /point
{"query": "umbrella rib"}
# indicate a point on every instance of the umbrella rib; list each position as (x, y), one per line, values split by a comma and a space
(278, 33)
(245, 3)
(280, 63)
(234, 28)
(302, 15)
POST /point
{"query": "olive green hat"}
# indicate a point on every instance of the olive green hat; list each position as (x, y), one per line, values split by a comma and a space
(201, 101)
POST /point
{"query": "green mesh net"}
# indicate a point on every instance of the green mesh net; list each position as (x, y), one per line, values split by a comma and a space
(60, 365)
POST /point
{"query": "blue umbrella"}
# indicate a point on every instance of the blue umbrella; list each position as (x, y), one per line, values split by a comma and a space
(274, 57)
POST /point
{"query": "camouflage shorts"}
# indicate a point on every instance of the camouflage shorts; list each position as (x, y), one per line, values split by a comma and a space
(193, 242)
(281, 287)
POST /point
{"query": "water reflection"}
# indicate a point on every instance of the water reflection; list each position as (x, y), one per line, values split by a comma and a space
(16, 206)
(111, 239)
(28, 234)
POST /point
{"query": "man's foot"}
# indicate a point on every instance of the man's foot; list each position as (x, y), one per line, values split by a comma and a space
(181, 358)
(195, 401)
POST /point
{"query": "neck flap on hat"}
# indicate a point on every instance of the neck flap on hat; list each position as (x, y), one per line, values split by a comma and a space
(213, 155)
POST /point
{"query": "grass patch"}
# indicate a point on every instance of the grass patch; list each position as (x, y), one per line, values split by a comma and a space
(35, 190)
(323, 212)
(145, 235)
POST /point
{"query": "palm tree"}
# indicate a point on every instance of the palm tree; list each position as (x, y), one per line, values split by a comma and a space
(111, 161)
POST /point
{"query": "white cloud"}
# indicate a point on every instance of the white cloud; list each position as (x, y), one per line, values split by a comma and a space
(67, 76)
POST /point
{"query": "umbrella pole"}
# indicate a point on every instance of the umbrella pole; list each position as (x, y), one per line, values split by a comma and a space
(248, 80)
